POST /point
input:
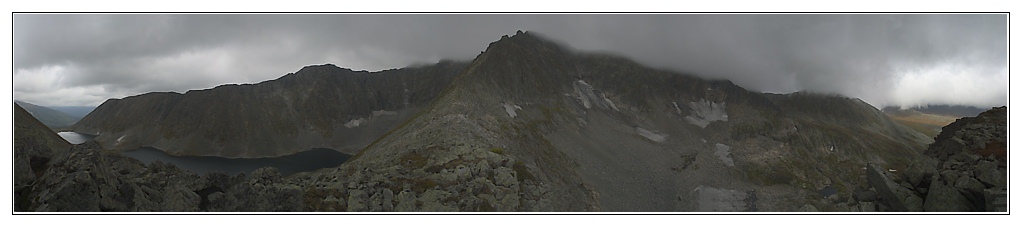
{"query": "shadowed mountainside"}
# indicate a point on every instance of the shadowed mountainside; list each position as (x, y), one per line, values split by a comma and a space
(34, 146)
(317, 107)
(581, 131)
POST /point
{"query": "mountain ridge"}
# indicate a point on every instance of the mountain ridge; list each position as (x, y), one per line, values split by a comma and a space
(543, 133)
(53, 119)
(530, 126)
(229, 117)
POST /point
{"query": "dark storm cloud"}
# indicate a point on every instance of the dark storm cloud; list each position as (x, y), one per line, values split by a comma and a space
(882, 59)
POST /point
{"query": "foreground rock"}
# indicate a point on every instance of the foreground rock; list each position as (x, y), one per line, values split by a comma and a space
(35, 146)
(964, 170)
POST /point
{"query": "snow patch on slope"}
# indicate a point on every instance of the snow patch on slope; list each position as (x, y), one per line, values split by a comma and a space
(723, 154)
(704, 112)
(510, 109)
(355, 123)
(590, 97)
(584, 91)
(609, 103)
(652, 136)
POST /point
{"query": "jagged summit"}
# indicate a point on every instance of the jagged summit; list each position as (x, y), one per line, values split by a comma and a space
(524, 40)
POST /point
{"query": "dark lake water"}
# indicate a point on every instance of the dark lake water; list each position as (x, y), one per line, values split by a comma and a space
(75, 137)
(827, 191)
(304, 161)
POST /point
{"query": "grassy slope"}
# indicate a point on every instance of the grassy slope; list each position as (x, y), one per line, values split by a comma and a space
(928, 124)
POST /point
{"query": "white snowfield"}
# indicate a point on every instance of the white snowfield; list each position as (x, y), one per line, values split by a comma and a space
(585, 93)
(652, 136)
(355, 123)
(723, 154)
(704, 112)
(510, 109)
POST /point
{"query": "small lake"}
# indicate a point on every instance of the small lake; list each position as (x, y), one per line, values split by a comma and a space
(827, 191)
(304, 161)
(75, 137)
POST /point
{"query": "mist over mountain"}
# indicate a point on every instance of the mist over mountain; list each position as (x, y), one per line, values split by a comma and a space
(527, 125)
(901, 60)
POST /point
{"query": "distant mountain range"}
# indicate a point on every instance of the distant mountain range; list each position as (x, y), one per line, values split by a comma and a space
(945, 110)
(528, 125)
(929, 120)
(74, 111)
(53, 119)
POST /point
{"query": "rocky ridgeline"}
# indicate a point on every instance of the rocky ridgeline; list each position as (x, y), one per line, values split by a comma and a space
(965, 169)
(87, 179)
(321, 106)
(477, 183)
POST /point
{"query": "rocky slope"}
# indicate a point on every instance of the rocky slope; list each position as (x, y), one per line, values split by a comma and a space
(85, 179)
(317, 107)
(526, 126)
(964, 170)
(35, 146)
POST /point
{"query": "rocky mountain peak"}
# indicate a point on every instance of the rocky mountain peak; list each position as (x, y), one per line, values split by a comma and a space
(523, 40)
(524, 66)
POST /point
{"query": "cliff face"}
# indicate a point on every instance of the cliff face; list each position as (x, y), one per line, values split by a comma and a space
(318, 106)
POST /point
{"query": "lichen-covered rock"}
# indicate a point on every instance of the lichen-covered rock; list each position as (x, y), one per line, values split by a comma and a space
(265, 176)
(181, 199)
(387, 197)
(867, 207)
(357, 200)
(436, 201)
(808, 208)
(406, 201)
(505, 176)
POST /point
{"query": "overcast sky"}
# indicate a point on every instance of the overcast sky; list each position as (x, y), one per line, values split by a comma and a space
(886, 60)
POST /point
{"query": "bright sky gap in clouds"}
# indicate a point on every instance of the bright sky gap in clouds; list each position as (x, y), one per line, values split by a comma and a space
(886, 60)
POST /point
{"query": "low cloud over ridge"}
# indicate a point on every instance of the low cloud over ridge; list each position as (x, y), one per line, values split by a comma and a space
(900, 60)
